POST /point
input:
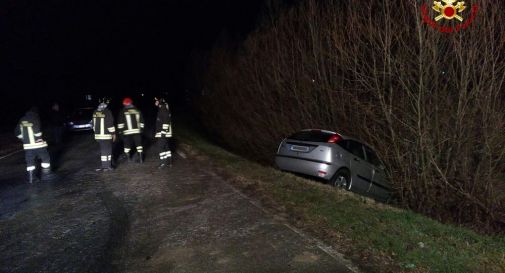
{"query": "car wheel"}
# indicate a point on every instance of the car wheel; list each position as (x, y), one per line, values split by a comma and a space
(342, 178)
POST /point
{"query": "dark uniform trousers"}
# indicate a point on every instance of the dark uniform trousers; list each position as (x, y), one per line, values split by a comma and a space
(105, 152)
(31, 157)
(164, 148)
(133, 141)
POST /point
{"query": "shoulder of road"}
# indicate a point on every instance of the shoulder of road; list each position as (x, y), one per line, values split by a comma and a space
(375, 236)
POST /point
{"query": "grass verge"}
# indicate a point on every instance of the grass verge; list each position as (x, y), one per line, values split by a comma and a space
(377, 237)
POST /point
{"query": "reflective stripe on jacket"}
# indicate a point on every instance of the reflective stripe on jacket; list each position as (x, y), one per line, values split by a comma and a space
(103, 124)
(130, 121)
(28, 130)
(163, 123)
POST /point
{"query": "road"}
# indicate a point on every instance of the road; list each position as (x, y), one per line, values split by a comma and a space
(141, 219)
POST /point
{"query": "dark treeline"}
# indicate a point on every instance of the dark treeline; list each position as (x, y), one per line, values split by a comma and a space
(431, 103)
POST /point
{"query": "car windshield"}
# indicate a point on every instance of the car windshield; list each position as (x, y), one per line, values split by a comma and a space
(83, 113)
(312, 135)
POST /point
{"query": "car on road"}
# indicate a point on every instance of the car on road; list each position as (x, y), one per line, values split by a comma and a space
(81, 119)
(340, 160)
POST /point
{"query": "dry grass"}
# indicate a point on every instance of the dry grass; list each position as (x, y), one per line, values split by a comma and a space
(430, 103)
(378, 237)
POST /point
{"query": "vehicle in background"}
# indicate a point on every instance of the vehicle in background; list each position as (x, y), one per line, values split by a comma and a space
(81, 120)
(340, 160)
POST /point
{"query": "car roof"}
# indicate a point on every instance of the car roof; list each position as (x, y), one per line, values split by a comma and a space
(86, 108)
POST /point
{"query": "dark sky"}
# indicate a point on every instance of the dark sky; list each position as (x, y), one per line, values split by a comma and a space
(54, 47)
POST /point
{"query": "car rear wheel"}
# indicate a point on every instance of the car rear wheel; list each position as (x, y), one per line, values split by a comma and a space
(342, 178)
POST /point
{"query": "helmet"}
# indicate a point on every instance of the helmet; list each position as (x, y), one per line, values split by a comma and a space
(161, 102)
(160, 99)
(127, 101)
(104, 100)
(102, 103)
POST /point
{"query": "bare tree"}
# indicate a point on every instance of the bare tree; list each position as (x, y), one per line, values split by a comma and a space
(431, 103)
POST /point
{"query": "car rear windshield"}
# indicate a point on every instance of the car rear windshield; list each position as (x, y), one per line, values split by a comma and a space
(84, 112)
(313, 136)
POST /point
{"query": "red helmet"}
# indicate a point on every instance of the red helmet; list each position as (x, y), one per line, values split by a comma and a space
(127, 101)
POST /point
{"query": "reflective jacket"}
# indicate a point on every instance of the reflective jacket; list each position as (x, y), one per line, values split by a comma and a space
(163, 123)
(28, 130)
(130, 121)
(103, 124)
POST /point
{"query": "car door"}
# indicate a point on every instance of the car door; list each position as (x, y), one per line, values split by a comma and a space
(380, 187)
(360, 169)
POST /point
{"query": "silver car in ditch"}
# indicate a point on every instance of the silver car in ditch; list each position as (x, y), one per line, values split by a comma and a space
(342, 161)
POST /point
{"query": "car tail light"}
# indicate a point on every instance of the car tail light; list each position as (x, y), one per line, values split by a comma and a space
(321, 173)
(334, 138)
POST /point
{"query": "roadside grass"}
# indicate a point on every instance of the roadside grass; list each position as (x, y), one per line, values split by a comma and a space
(378, 237)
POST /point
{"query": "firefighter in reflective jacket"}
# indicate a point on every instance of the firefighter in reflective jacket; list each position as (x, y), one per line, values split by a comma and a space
(163, 131)
(131, 125)
(29, 131)
(105, 134)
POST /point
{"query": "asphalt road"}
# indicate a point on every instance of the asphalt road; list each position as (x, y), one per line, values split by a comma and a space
(141, 219)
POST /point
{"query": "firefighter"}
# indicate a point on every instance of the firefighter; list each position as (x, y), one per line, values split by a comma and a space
(131, 125)
(29, 131)
(56, 122)
(105, 133)
(163, 131)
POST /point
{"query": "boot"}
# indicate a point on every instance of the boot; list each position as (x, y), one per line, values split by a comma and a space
(141, 158)
(122, 157)
(163, 164)
(108, 166)
(102, 167)
(32, 177)
(47, 174)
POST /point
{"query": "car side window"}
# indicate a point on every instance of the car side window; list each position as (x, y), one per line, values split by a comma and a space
(356, 149)
(371, 157)
(344, 144)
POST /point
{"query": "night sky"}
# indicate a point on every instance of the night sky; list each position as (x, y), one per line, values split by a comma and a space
(52, 49)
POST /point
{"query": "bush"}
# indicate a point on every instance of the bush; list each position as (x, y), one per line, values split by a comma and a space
(430, 103)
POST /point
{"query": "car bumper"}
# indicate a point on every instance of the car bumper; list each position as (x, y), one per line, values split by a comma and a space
(80, 127)
(315, 168)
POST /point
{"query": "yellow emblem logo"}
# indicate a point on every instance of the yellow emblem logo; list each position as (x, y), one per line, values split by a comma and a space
(449, 11)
